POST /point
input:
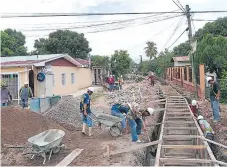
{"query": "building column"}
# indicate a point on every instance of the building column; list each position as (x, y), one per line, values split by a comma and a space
(202, 80)
(187, 67)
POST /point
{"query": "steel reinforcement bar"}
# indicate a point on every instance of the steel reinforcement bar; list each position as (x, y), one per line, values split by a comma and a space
(181, 145)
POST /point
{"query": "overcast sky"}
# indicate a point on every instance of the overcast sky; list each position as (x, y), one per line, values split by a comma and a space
(132, 39)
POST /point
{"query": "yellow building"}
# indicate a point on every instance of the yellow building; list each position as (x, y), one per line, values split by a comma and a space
(63, 74)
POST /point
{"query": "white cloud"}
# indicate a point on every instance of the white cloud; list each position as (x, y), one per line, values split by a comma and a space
(133, 39)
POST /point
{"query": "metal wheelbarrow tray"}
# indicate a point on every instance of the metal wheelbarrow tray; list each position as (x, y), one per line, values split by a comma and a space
(110, 121)
(47, 141)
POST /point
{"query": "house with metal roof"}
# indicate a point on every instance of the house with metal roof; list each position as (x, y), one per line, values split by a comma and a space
(47, 75)
(180, 61)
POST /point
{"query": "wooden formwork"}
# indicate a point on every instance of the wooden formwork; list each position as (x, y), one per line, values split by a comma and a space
(181, 144)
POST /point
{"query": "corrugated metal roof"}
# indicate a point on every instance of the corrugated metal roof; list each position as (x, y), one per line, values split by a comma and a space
(27, 62)
(32, 57)
(82, 61)
(39, 60)
(181, 58)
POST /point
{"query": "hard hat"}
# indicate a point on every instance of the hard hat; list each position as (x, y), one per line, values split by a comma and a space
(3, 84)
(26, 83)
(209, 79)
(200, 117)
(150, 110)
(91, 89)
(194, 102)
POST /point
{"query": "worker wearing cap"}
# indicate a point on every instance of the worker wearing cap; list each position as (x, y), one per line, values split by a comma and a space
(120, 110)
(206, 128)
(5, 94)
(25, 94)
(135, 119)
(194, 108)
(214, 98)
(86, 111)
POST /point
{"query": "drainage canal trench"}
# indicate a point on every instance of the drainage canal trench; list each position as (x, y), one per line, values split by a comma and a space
(147, 156)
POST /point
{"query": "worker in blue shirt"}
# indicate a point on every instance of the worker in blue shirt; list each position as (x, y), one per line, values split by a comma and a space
(119, 110)
(86, 111)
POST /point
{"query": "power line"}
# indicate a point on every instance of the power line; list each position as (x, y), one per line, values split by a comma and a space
(96, 25)
(104, 24)
(10, 15)
(202, 20)
(122, 27)
(178, 38)
(174, 31)
(179, 6)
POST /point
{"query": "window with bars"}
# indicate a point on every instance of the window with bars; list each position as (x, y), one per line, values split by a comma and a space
(72, 78)
(63, 79)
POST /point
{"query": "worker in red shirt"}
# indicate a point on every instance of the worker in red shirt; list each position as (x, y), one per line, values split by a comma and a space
(194, 108)
(151, 77)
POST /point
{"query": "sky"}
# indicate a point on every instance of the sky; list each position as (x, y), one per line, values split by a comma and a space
(132, 38)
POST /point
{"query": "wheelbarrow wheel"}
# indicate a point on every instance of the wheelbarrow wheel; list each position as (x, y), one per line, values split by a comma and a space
(115, 131)
(56, 149)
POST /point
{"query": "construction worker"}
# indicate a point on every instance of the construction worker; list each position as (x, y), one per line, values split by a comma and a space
(194, 108)
(86, 111)
(120, 82)
(5, 94)
(120, 110)
(206, 128)
(135, 120)
(25, 94)
(151, 77)
(214, 98)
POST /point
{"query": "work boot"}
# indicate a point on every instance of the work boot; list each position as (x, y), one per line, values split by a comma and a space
(84, 128)
(90, 131)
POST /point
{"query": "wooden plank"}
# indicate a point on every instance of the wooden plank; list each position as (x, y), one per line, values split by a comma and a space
(132, 148)
(186, 117)
(178, 160)
(180, 136)
(182, 128)
(69, 158)
(178, 113)
(202, 161)
(192, 147)
(179, 122)
(182, 110)
(213, 142)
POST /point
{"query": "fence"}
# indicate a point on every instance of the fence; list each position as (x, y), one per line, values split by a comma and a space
(183, 76)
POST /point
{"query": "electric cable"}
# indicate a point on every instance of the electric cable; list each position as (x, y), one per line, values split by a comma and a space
(10, 15)
(177, 38)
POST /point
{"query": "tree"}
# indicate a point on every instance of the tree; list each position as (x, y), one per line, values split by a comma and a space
(183, 49)
(150, 49)
(212, 52)
(120, 62)
(12, 43)
(64, 41)
(102, 61)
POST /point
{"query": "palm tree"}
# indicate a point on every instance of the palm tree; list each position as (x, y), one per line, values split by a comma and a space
(151, 49)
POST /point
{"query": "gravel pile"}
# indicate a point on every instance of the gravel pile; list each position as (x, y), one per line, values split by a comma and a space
(67, 112)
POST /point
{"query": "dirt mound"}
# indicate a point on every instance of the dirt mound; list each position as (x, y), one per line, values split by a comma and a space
(18, 125)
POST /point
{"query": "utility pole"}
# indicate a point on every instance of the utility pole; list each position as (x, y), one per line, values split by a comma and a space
(192, 56)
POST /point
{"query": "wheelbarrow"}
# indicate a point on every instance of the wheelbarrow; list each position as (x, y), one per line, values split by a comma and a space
(49, 141)
(111, 122)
